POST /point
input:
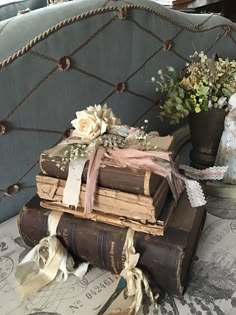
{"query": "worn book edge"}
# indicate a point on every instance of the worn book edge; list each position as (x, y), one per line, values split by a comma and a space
(133, 206)
(154, 229)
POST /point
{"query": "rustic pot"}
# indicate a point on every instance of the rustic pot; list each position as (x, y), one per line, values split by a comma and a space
(206, 129)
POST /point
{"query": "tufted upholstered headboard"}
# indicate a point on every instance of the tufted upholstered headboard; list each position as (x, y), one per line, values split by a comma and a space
(10, 8)
(114, 48)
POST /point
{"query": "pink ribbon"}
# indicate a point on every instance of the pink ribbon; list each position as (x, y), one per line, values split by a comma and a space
(158, 162)
(92, 175)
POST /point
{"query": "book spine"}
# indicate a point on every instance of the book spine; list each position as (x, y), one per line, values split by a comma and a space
(102, 245)
(123, 179)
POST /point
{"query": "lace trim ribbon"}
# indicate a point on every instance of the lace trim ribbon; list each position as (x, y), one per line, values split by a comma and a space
(47, 261)
(210, 173)
(195, 193)
(193, 188)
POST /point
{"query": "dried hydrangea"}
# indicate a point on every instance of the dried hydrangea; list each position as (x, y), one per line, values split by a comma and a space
(207, 84)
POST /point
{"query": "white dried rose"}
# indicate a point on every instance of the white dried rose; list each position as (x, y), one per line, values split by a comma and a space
(88, 126)
(105, 113)
(93, 122)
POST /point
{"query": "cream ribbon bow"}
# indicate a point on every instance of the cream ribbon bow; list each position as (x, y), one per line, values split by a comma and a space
(135, 278)
(46, 261)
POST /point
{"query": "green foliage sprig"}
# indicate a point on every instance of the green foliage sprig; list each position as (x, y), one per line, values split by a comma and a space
(207, 83)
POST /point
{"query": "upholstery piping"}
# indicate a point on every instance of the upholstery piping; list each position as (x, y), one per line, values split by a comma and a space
(66, 22)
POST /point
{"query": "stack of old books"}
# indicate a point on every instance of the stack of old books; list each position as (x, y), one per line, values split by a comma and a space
(124, 197)
(166, 230)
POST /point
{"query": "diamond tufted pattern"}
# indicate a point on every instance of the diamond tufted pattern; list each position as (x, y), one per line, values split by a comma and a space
(81, 53)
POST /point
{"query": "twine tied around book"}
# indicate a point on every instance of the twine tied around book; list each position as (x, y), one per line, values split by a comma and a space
(47, 261)
(137, 282)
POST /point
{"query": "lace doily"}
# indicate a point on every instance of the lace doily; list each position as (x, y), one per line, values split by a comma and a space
(211, 173)
(195, 193)
(194, 190)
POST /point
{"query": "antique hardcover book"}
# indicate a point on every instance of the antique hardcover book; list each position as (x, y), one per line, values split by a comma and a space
(166, 259)
(157, 228)
(122, 204)
(118, 178)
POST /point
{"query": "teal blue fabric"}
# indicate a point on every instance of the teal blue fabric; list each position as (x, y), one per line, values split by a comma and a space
(10, 8)
(38, 101)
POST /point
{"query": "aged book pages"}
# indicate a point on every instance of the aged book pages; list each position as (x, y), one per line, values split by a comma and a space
(157, 228)
(136, 207)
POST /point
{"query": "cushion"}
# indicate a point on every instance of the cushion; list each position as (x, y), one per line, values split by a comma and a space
(10, 8)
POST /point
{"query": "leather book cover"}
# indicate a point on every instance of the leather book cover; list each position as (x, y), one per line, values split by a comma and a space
(118, 178)
(167, 259)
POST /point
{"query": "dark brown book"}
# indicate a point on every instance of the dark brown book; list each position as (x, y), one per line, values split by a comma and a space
(117, 178)
(166, 259)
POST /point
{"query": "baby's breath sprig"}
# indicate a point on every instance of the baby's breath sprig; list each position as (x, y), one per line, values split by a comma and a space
(111, 141)
(142, 139)
(75, 151)
(141, 133)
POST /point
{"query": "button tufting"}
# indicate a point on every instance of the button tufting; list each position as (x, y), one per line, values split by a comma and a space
(64, 63)
(198, 27)
(67, 133)
(122, 13)
(2, 129)
(167, 45)
(227, 30)
(11, 190)
(120, 87)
